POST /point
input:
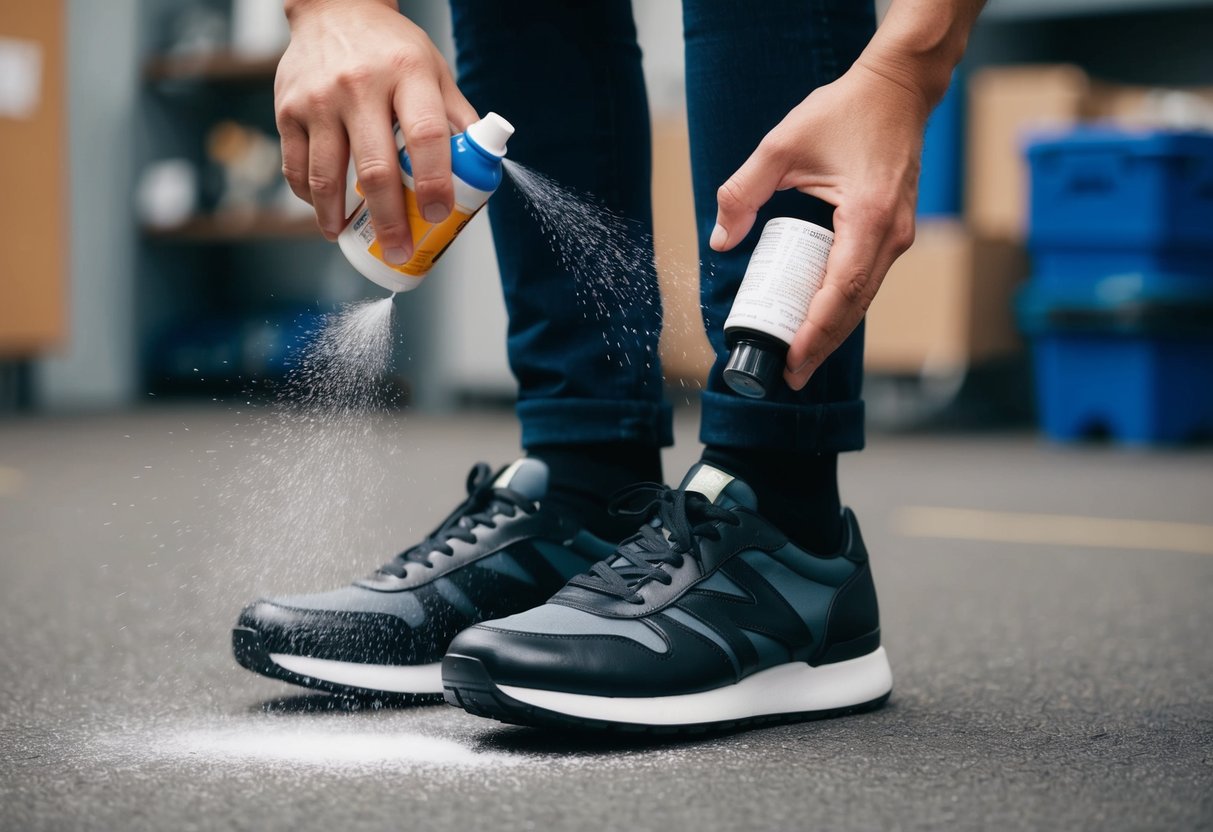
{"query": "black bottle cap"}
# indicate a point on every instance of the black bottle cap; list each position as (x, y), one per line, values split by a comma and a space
(754, 369)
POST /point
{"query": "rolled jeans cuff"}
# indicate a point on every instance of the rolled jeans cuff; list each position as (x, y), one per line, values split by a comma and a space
(575, 421)
(730, 421)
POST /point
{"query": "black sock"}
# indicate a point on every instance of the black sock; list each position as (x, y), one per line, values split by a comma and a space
(797, 492)
(582, 478)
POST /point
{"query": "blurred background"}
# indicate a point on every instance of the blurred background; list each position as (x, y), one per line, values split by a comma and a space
(150, 246)
(1036, 491)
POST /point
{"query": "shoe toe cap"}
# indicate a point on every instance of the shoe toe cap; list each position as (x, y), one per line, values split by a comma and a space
(602, 663)
(267, 614)
(304, 626)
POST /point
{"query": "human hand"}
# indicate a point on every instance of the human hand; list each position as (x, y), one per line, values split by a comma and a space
(352, 67)
(856, 144)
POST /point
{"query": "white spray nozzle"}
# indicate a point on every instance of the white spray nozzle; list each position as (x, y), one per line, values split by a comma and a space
(491, 133)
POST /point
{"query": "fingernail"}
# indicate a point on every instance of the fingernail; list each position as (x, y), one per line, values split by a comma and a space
(719, 236)
(396, 256)
(793, 376)
(435, 212)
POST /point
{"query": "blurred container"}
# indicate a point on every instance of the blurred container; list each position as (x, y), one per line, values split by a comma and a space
(686, 355)
(1139, 372)
(1003, 102)
(35, 213)
(1120, 305)
(213, 351)
(259, 28)
(167, 193)
(1103, 187)
(1007, 103)
(946, 305)
(1110, 202)
(943, 156)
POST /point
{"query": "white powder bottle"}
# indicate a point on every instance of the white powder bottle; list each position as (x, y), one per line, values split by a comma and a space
(784, 273)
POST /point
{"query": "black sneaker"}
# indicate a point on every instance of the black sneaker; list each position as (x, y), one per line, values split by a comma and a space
(497, 554)
(708, 617)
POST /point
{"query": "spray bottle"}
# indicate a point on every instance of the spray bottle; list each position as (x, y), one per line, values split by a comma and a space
(476, 156)
(784, 273)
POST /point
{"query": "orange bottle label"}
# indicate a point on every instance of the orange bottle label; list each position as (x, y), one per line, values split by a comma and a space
(430, 240)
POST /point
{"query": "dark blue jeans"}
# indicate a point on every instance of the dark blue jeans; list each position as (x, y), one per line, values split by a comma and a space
(568, 75)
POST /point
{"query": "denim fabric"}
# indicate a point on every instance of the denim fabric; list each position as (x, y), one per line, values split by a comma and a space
(569, 77)
(748, 64)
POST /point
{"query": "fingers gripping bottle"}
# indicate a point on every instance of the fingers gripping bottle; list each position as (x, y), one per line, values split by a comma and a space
(785, 271)
(476, 156)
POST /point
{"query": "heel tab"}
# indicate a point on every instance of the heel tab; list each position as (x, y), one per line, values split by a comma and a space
(853, 548)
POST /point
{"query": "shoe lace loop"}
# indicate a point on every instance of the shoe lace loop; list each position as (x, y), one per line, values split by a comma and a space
(484, 502)
(675, 521)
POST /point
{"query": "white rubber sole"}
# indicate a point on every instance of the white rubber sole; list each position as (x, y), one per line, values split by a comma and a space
(420, 678)
(785, 689)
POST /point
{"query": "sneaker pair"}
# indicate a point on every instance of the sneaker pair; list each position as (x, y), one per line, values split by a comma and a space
(707, 617)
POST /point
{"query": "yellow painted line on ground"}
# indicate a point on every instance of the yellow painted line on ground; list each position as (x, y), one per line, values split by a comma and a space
(1053, 529)
(10, 481)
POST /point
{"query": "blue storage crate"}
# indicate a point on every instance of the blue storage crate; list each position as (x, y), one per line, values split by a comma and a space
(939, 183)
(1086, 272)
(1108, 204)
(1135, 388)
(1139, 370)
(227, 347)
(1103, 188)
(1175, 316)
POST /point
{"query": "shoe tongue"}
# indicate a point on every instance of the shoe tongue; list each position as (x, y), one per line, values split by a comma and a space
(721, 487)
(529, 477)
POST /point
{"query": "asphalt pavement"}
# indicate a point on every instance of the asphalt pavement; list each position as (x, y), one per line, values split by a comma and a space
(1047, 612)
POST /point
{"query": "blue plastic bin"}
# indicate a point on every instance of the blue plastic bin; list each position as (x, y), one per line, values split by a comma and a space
(1139, 371)
(1109, 203)
(225, 347)
(939, 183)
(1135, 389)
(1082, 273)
(1105, 188)
(1119, 309)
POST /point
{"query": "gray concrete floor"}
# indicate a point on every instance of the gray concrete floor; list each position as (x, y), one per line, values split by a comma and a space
(1062, 683)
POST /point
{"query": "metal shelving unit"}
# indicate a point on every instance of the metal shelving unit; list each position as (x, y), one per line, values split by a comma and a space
(219, 67)
(232, 229)
(229, 271)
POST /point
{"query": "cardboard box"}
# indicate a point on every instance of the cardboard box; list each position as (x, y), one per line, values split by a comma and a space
(33, 212)
(685, 353)
(1151, 107)
(1007, 104)
(947, 304)
(1004, 104)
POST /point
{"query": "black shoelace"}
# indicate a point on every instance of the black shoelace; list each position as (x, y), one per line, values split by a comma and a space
(484, 502)
(675, 522)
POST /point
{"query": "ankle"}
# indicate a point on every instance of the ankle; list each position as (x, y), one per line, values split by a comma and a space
(582, 478)
(797, 492)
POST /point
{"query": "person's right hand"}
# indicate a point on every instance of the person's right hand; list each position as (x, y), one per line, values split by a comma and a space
(351, 68)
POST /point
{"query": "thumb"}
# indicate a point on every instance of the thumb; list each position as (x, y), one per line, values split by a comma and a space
(739, 198)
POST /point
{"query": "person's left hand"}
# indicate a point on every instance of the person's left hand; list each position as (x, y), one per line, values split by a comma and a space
(856, 144)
